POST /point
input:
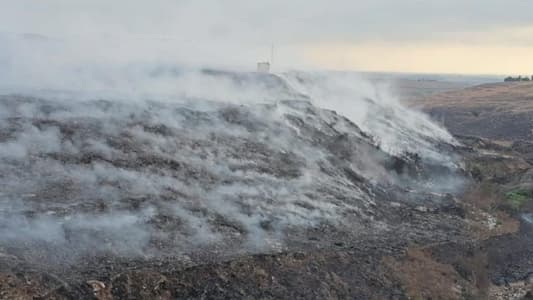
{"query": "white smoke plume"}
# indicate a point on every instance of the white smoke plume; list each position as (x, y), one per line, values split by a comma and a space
(148, 158)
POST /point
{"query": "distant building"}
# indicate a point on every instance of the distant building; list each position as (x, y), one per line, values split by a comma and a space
(263, 67)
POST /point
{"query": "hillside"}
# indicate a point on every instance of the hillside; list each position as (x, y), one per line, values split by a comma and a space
(255, 188)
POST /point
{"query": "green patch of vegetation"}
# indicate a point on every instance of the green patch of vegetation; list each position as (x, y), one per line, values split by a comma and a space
(517, 198)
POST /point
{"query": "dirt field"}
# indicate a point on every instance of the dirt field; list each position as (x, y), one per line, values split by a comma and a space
(500, 111)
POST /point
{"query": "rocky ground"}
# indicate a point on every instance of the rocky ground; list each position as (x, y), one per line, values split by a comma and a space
(114, 203)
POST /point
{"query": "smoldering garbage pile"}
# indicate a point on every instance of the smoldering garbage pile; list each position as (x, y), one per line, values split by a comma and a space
(225, 164)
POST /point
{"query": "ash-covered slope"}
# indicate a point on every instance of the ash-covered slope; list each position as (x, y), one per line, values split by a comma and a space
(259, 167)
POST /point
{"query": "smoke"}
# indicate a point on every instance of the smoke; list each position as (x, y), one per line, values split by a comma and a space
(139, 158)
(375, 110)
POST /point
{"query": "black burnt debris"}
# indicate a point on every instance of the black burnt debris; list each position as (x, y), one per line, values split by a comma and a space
(113, 184)
(210, 200)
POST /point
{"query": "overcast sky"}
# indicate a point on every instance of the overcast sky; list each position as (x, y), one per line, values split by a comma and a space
(450, 36)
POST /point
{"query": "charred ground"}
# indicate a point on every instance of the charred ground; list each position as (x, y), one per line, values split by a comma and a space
(285, 200)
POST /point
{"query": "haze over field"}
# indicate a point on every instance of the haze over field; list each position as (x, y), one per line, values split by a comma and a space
(82, 102)
(142, 156)
(454, 36)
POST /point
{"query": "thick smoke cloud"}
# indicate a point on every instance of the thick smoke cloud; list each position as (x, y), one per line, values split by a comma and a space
(116, 151)
(172, 160)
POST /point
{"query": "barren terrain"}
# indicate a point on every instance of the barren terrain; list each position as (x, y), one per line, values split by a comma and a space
(283, 200)
(499, 111)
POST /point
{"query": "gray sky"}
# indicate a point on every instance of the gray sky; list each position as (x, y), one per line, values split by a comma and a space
(467, 36)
